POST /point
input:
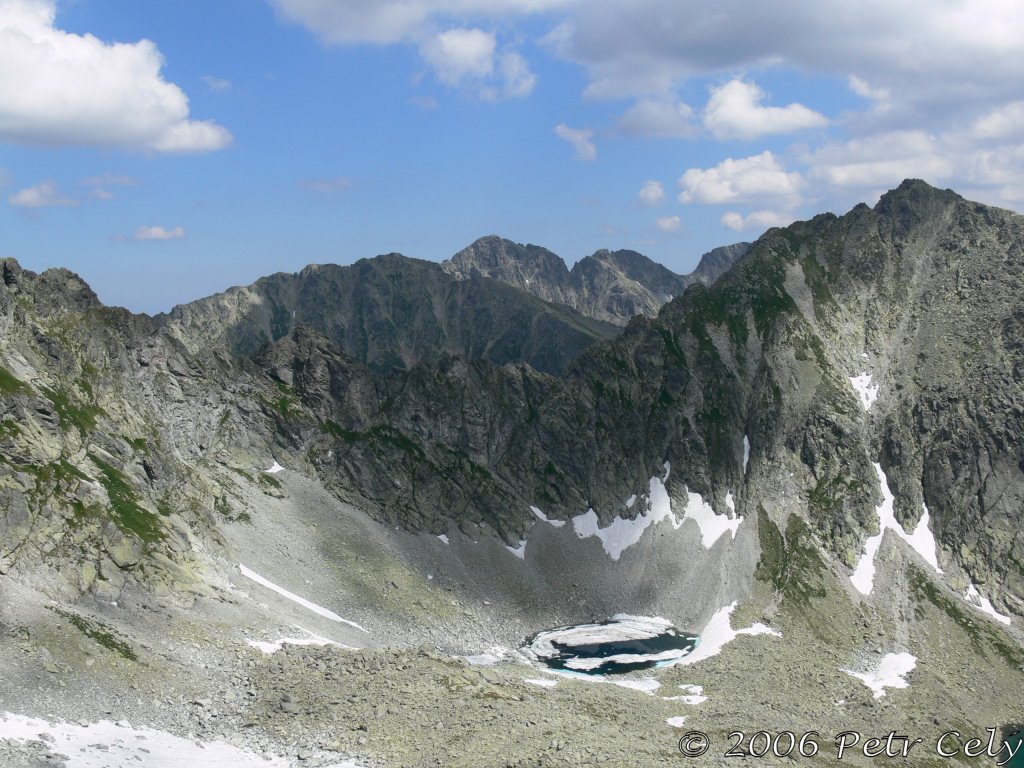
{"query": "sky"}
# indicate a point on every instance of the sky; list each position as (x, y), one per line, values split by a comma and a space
(166, 151)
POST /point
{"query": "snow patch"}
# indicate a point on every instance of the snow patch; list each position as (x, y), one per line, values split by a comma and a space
(718, 633)
(862, 386)
(317, 609)
(622, 533)
(482, 660)
(631, 501)
(443, 538)
(274, 469)
(692, 695)
(544, 518)
(730, 503)
(311, 639)
(890, 672)
(712, 526)
(519, 551)
(676, 722)
(921, 540)
(543, 683)
(106, 744)
(746, 453)
(984, 605)
(644, 684)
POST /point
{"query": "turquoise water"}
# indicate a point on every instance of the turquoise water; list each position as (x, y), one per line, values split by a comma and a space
(1014, 734)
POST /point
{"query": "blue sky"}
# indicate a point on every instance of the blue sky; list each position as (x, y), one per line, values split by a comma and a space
(165, 151)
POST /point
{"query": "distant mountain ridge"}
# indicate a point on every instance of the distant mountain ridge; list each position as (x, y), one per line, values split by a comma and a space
(613, 286)
(391, 312)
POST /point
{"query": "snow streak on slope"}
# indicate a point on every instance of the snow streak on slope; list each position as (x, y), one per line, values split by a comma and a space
(317, 609)
(921, 540)
(984, 605)
(541, 516)
(118, 745)
(718, 633)
(622, 533)
(890, 672)
(867, 393)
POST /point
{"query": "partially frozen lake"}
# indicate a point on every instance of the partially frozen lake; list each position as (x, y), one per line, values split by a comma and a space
(621, 644)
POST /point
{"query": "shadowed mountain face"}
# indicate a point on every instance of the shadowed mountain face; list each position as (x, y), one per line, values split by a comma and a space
(612, 286)
(920, 295)
(391, 312)
(389, 381)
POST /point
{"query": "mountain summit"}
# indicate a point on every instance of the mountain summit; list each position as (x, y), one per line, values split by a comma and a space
(612, 286)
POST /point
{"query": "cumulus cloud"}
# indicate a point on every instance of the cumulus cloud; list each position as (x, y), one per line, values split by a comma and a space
(390, 21)
(458, 54)
(665, 118)
(756, 220)
(581, 140)
(652, 193)
(58, 89)
(43, 195)
(734, 111)
(328, 186)
(946, 53)
(159, 233)
(669, 223)
(882, 161)
(469, 58)
(1002, 122)
(864, 89)
(747, 180)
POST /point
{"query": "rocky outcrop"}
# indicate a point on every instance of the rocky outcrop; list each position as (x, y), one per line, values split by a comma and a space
(430, 401)
(613, 286)
(391, 312)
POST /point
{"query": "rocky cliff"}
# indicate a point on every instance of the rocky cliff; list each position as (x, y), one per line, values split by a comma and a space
(889, 335)
(611, 286)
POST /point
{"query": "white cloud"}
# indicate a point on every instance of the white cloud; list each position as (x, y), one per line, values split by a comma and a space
(58, 89)
(669, 223)
(217, 84)
(864, 89)
(882, 161)
(347, 22)
(1002, 122)
(328, 186)
(756, 220)
(748, 180)
(43, 195)
(652, 193)
(517, 79)
(458, 54)
(926, 54)
(734, 111)
(469, 58)
(159, 233)
(663, 118)
(581, 140)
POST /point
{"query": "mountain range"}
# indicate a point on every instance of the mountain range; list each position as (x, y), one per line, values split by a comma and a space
(831, 418)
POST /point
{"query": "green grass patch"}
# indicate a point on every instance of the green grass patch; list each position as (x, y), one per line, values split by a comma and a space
(11, 384)
(9, 428)
(266, 479)
(980, 631)
(139, 444)
(128, 514)
(82, 416)
(99, 632)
